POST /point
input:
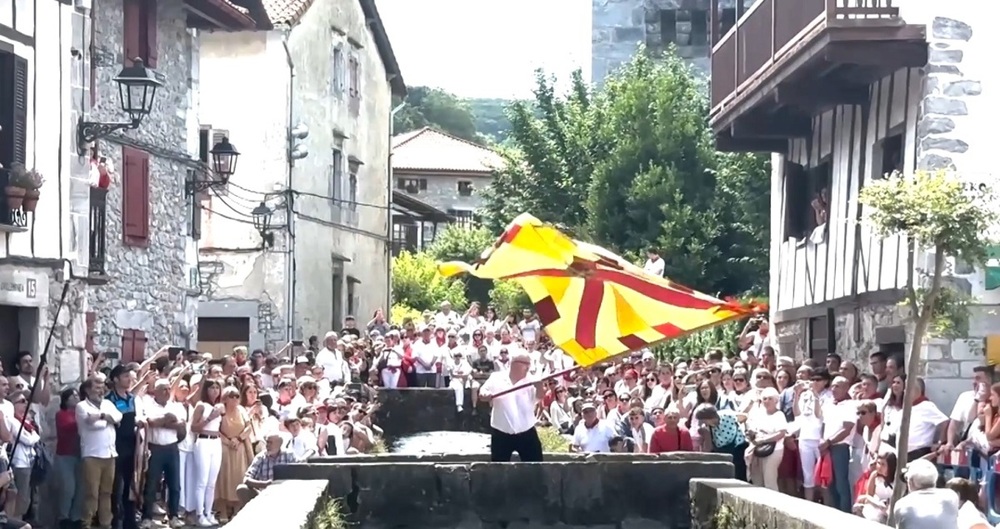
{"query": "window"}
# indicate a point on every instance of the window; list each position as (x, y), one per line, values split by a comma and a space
(819, 338)
(133, 346)
(465, 188)
(337, 177)
(354, 81)
(352, 298)
(429, 233)
(807, 199)
(339, 71)
(135, 197)
(13, 109)
(204, 143)
(684, 27)
(892, 155)
(352, 188)
(727, 21)
(412, 185)
(194, 215)
(463, 217)
(140, 31)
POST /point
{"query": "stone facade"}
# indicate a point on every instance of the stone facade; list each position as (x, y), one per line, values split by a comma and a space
(149, 288)
(620, 26)
(404, 412)
(442, 190)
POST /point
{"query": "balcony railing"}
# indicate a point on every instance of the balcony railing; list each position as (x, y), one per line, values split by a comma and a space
(98, 229)
(772, 28)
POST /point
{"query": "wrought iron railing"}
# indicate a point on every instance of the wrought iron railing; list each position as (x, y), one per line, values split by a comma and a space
(98, 229)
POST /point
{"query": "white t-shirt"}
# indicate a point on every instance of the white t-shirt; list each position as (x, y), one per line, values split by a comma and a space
(924, 420)
(834, 417)
(766, 424)
(596, 439)
(302, 444)
(529, 330)
(514, 412)
(429, 353)
(654, 268)
(641, 435)
(811, 426)
(964, 411)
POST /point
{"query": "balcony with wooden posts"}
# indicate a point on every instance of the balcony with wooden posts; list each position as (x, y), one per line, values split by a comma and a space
(787, 60)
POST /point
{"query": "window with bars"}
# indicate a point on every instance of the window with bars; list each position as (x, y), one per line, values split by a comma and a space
(465, 188)
(463, 217)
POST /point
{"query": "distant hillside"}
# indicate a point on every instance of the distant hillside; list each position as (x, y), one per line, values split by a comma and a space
(488, 116)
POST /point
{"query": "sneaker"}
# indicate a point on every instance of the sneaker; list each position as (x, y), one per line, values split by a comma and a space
(176, 523)
(460, 409)
(211, 517)
(158, 509)
(204, 522)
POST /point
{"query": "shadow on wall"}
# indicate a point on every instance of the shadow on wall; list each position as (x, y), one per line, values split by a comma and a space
(637, 490)
(404, 412)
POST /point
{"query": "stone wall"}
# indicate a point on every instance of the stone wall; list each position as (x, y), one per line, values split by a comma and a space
(718, 503)
(148, 288)
(592, 491)
(618, 27)
(409, 411)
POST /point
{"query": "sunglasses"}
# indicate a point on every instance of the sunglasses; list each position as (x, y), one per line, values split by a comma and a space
(739, 380)
(21, 401)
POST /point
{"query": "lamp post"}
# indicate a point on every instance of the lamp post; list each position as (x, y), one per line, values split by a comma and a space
(137, 86)
(224, 158)
(262, 222)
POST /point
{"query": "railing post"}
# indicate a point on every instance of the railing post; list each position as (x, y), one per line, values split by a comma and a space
(831, 10)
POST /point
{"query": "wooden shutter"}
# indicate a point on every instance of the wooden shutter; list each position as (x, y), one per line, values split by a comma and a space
(135, 197)
(20, 92)
(132, 30)
(151, 33)
(195, 230)
(133, 346)
(91, 331)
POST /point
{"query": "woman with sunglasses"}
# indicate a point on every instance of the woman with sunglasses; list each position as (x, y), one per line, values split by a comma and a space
(24, 452)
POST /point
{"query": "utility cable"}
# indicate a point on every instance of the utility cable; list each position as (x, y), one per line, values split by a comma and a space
(345, 227)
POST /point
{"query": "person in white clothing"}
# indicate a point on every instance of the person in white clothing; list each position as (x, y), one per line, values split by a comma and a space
(654, 264)
(592, 434)
(810, 398)
(512, 421)
(96, 419)
(460, 372)
(427, 354)
(185, 447)
(164, 418)
(205, 422)
(27, 435)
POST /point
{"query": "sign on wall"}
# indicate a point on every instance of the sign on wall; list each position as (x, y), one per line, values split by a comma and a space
(23, 288)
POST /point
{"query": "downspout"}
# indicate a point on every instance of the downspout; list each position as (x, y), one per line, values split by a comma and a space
(388, 230)
(290, 268)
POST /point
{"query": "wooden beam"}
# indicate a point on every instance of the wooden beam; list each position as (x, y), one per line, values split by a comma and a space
(817, 96)
(727, 143)
(892, 55)
(771, 126)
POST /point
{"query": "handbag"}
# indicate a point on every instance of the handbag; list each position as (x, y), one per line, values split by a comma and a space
(763, 449)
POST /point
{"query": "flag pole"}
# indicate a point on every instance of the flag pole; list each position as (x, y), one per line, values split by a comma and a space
(565, 372)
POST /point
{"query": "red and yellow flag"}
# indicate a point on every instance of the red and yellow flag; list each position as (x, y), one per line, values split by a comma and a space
(594, 304)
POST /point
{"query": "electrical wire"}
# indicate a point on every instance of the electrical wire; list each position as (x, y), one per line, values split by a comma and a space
(170, 154)
(345, 227)
(235, 210)
(341, 200)
(241, 221)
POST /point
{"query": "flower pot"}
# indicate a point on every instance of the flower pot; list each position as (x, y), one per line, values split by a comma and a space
(15, 196)
(30, 200)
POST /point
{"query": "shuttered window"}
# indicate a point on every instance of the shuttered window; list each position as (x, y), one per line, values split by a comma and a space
(133, 346)
(140, 31)
(13, 108)
(135, 197)
(20, 106)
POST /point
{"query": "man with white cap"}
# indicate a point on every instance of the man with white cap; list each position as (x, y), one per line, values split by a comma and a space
(447, 318)
(426, 354)
(328, 356)
(592, 434)
(512, 420)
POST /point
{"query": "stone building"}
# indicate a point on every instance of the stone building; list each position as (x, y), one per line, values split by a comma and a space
(443, 172)
(840, 99)
(316, 154)
(619, 27)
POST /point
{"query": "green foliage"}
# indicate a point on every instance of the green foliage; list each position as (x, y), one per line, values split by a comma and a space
(400, 312)
(490, 117)
(552, 440)
(329, 514)
(633, 167)
(507, 296)
(461, 243)
(696, 345)
(433, 107)
(416, 283)
(950, 312)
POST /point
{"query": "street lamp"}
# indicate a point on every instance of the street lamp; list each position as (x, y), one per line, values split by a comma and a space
(262, 222)
(137, 87)
(224, 157)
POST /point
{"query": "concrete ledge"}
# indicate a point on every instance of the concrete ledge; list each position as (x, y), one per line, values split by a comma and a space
(589, 493)
(286, 504)
(409, 411)
(552, 457)
(749, 507)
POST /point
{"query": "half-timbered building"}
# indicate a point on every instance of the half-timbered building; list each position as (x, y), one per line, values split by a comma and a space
(841, 93)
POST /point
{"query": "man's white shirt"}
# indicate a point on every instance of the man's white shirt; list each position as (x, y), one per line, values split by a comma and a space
(655, 268)
(514, 412)
(97, 436)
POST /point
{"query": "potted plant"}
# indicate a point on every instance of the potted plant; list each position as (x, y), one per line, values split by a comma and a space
(14, 190)
(32, 182)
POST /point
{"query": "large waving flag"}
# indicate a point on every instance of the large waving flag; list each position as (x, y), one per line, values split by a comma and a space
(594, 304)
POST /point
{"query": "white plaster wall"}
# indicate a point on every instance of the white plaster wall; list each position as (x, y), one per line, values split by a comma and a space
(47, 127)
(243, 82)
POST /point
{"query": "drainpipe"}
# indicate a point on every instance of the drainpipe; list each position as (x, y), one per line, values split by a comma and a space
(290, 269)
(388, 238)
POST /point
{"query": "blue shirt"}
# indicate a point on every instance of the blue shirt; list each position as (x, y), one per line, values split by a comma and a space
(728, 432)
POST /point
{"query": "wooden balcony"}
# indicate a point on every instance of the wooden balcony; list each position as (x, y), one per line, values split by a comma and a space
(786, 60)
(98, 230)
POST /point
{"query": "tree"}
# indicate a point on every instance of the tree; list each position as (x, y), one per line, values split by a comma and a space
(507, 297)
(417, 285)
(433, 107)
(936, 214)
(632, 167)
(462, 243)
(490, 117)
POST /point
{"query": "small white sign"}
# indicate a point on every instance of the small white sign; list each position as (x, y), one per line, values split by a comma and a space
(23, 288)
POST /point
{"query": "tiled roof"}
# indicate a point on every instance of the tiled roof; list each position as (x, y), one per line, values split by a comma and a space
(286, 11)
(428, 149)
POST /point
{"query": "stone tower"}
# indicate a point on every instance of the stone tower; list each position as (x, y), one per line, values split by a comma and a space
(620, 26)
